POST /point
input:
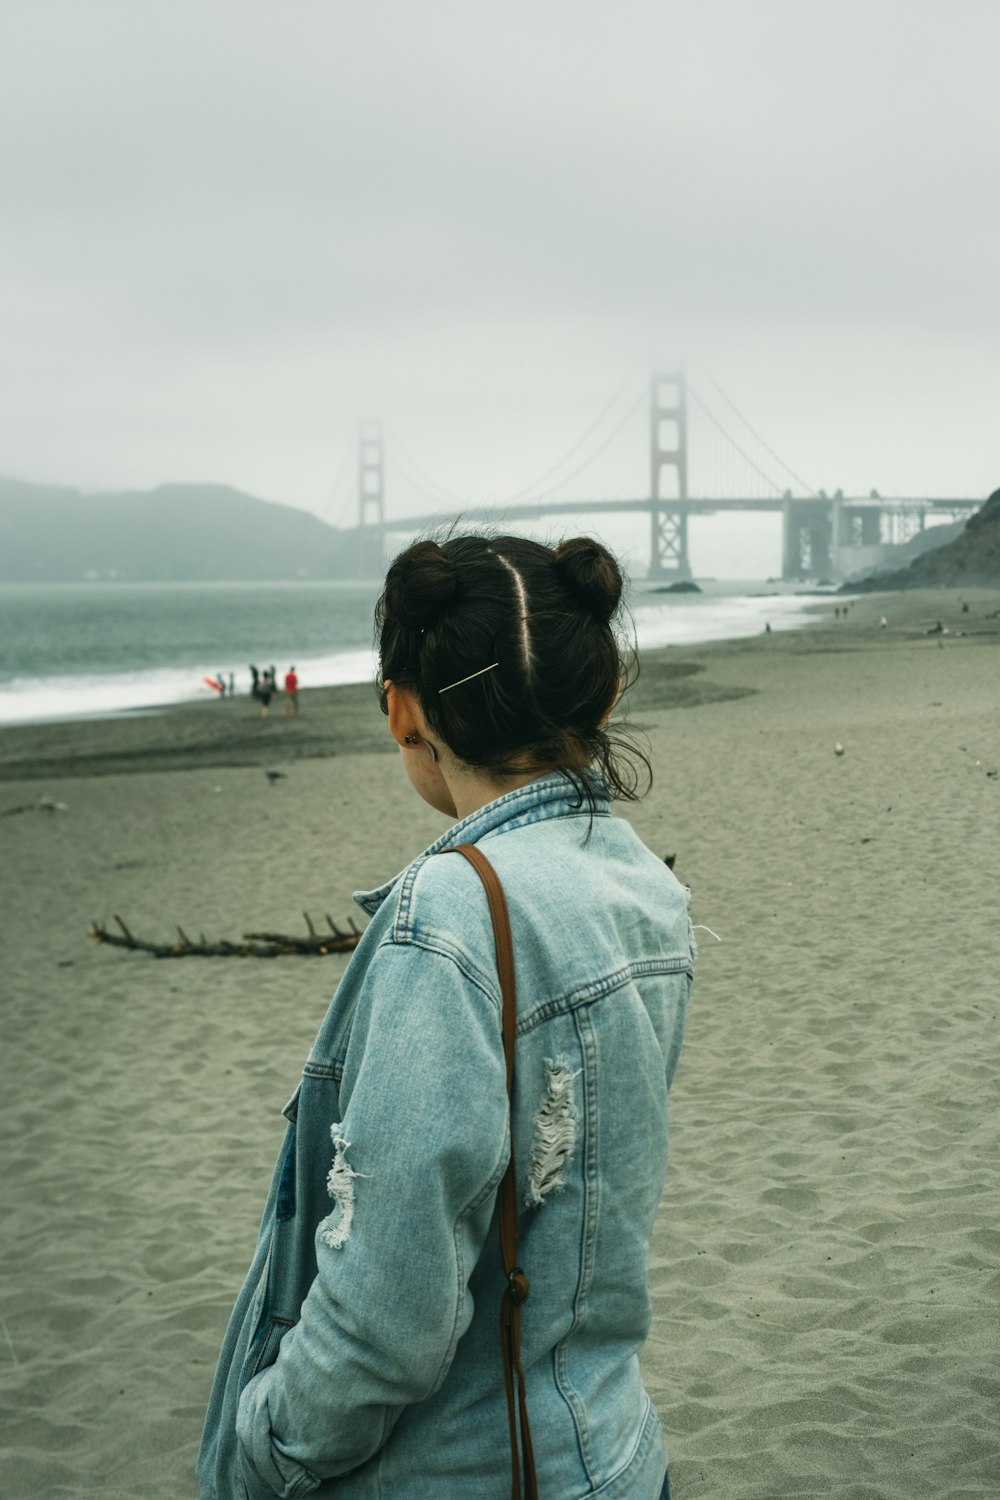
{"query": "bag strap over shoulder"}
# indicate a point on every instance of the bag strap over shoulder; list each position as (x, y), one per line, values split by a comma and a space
(516, 1290)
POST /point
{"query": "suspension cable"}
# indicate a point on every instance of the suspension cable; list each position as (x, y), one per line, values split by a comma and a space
(437, 500)
(643, 397)
(521, 494)
(742, 452)
(730, 402)
(335, 491)
(443, 492)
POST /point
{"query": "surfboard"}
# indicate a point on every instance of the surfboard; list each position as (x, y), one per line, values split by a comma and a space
(213, 682)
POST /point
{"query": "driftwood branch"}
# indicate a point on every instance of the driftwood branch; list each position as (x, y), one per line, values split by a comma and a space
(45, 803)
(254, 944)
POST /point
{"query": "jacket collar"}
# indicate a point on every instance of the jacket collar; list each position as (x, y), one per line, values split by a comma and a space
(551, 796)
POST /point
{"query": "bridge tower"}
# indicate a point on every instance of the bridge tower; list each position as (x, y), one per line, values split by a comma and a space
(371, 499)
(668, 513)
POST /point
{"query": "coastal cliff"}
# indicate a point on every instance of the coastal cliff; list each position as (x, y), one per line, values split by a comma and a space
(971, 560)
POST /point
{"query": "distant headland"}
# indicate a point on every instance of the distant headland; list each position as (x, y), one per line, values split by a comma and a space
(177, 532)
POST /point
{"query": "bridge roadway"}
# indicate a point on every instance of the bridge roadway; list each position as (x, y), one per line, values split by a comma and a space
(693, 506)
(814, 543)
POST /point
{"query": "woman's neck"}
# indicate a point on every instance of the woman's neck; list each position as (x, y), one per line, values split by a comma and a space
(472, 790)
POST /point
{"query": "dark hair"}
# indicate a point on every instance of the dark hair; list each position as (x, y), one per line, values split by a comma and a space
(516, 653)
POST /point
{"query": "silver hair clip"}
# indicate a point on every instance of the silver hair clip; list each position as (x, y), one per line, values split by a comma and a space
(481, 673)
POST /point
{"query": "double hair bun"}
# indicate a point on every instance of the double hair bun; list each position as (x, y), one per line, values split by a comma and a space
(424, 582)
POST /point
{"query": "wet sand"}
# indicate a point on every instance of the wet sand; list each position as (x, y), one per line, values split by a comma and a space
(827, 1262)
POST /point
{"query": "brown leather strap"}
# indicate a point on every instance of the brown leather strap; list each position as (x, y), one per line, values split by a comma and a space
(518, 1285)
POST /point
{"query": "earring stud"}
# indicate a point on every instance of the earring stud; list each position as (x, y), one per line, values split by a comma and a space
(411, 739)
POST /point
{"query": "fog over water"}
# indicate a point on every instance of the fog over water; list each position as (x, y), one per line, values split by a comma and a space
(232, 231)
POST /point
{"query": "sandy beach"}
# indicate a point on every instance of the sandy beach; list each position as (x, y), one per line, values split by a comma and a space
(827, 1262)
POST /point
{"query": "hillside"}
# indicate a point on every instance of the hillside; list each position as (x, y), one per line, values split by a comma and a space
(971, 560)
(175, 532)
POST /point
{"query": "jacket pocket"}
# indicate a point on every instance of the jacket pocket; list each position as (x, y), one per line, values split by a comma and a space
(263, 1350)
(284, 1207)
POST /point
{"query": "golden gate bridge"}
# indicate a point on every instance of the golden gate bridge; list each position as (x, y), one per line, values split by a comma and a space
(823, 536)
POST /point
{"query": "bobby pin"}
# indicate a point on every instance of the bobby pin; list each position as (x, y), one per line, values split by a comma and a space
(482, 671)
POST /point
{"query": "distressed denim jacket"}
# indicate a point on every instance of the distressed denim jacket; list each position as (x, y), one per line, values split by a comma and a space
(363, 1356)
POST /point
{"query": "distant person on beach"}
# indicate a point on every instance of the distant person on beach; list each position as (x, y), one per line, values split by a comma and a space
(412, 1203)
(291, 692)
(232, 685)
(265, 692)
(222, 684)
(254, 682)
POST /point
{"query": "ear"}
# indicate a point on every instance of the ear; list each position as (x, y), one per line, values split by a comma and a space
(405, 716)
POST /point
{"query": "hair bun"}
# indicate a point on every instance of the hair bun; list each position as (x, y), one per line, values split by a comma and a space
(591, 575)
(420, 585)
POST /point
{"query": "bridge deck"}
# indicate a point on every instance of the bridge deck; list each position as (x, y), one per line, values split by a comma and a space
(694, 506)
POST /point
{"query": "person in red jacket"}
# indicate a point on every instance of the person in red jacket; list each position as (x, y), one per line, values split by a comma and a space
(291, 691)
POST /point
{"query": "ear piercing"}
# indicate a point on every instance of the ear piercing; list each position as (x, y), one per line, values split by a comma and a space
(414, 739)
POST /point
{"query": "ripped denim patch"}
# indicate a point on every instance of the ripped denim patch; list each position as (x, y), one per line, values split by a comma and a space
(336, 1230)
(555, 1133)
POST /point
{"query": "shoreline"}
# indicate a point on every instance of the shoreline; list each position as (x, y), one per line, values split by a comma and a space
(345, 720)
(30, 700)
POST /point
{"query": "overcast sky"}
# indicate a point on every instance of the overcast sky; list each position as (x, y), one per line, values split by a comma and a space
(231, 230)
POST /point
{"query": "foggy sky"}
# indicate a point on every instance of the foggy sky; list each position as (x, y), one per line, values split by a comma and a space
(231, 230)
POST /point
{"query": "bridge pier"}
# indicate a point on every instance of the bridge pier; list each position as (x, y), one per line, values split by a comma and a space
(859, 540)
(809, 530)
(833, 537)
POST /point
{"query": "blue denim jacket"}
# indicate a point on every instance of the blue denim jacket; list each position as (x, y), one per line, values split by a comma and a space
(363, 1356)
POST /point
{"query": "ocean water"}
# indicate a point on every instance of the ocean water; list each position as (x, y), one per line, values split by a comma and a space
(82, 650)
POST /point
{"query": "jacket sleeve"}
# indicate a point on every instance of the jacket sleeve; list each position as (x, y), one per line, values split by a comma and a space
(414, 1167)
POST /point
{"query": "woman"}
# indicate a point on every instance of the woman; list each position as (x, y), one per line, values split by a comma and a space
(362, 1358)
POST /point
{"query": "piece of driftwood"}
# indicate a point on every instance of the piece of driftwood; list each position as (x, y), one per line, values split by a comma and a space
(45, 803)
(254, 945)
